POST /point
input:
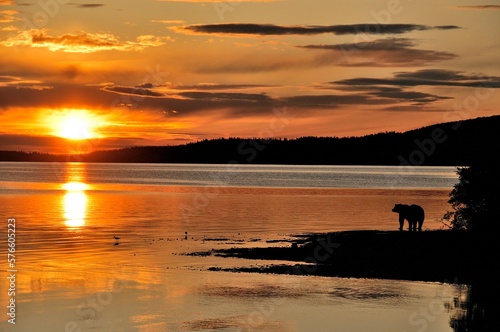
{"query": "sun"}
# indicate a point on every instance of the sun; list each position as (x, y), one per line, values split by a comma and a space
(75, 128)
(76, 125)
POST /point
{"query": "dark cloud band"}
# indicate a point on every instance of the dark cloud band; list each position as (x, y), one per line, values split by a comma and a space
(382, 53)
(480, 7)
(86, 5)
(270, 29)
(427, 77)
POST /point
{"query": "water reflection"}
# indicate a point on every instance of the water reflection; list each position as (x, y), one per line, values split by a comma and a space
(73, 273)
(75, 203)
(479, 312)
(75, 199)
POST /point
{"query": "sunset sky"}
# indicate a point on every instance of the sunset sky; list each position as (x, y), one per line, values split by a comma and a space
(116, 73)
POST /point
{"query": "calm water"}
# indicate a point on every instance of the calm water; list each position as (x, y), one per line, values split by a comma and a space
(71, 276)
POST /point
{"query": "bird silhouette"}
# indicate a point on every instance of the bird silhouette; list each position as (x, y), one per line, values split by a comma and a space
(116, 237)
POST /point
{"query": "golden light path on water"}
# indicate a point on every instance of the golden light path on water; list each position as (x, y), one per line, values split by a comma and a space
(75, 203)
(75, 198)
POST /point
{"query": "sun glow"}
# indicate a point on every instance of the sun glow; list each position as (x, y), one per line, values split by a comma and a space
(76, 125)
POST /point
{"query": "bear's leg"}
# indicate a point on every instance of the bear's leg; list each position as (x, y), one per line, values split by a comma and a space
(401, 223)
(412, 225)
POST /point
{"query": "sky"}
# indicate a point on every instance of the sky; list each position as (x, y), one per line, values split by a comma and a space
(80, 76)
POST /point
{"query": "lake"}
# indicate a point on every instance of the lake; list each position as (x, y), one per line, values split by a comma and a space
(72, 275)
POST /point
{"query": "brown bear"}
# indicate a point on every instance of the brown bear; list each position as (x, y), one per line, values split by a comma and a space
(413, 213)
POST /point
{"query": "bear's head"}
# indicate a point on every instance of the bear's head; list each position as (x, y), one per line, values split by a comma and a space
(398, 208)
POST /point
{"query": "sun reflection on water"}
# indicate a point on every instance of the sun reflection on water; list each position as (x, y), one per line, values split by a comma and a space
(75, 204)
(75, 199)
(75, 186)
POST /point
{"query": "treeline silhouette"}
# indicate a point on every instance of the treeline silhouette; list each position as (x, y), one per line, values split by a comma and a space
(452, 143)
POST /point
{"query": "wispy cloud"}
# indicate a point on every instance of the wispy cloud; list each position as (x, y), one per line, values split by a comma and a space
(134, 91)
(402, 95)
(148, 91)
(479, 7)
(82, 42)
(221, 96)
(380, 53)
(7, 16)
(427, 77)
(260, 102)
(271, 29)
(169, 21)
(10, 28)
(20, 83)
(7, 3)
(215, 86)
(86, 5)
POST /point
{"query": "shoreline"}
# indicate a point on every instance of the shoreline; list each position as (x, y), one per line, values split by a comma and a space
(431, 256)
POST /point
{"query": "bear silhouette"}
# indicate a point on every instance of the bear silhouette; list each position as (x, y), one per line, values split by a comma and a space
(413, 213)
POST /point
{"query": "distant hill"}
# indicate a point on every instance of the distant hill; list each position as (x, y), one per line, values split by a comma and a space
(453, 143)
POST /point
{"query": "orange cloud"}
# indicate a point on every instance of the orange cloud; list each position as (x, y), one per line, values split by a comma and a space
(21, 83)
(83, 42)
(169, 21)
(10, 28)
(7, 16)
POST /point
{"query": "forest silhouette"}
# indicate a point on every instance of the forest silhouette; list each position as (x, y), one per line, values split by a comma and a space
(446, 144)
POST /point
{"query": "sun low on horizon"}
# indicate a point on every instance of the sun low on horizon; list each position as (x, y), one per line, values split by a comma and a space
(84, 130)
(76, 125)
(171, 72)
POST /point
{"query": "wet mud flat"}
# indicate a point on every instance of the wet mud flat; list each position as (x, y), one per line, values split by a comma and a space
(439, 256)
